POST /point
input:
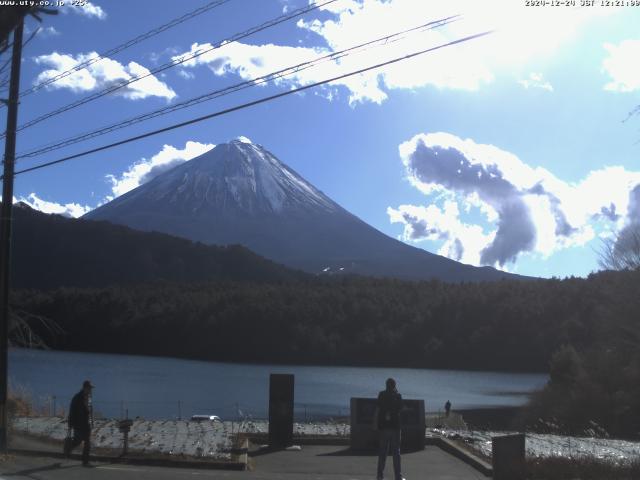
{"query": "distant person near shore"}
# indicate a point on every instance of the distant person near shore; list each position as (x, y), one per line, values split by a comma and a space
(81, 421)
(387, 420)
(447, 408)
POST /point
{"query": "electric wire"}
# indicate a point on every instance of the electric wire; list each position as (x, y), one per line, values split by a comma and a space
(252, 103)
(124, 46)
(273, 76)
(5, 81)
(178, 61)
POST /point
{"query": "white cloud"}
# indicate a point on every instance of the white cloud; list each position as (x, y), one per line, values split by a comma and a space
(468, 66)
(536, 80)
(253, 61)
(87, 9)
(73, 210)
(156, 57)
(101, 74)
(515, 39)
(144, 170)
(286, 7)
(456, 67)
(434, 223)
(136, 175)
(527, 209)
(622, 66)
(452, 68)
(186, 74)
(46, 32)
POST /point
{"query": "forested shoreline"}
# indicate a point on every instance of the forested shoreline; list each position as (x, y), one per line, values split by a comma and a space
(584, 332)
(505, 325)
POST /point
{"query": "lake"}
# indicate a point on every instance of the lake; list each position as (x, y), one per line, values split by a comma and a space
(158, 387)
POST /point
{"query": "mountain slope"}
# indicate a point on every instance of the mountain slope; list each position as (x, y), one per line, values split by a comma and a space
(240, 193)
(52, 251)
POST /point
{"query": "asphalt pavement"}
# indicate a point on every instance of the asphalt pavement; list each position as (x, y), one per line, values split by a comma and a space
(311, 463)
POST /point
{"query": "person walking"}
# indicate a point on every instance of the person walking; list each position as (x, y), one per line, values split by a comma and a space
(388, 424)
(81, 421)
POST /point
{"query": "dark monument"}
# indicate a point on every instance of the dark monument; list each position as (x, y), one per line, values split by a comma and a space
(412, 424)
(508, 457)
(280, 410)
(125, 427)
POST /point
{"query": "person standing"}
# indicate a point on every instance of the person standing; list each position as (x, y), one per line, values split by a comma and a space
(81, 421)
(447, 408)
(388, 423)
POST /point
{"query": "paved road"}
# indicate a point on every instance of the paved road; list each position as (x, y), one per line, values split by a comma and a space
(312, 463)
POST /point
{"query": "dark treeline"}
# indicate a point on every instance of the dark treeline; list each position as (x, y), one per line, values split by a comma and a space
(50, 251)
(500, 325)
(337, 320)
(585, 332)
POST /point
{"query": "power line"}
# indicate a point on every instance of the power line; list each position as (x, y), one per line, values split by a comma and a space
(5, 81)
(251, 104)
(124, 46)
(334, 56)
(180, 60)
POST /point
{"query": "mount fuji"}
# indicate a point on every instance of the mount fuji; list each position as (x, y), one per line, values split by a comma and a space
(239, 193)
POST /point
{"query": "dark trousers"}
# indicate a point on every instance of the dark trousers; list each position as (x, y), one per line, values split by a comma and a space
(79, 436)
(389, 440)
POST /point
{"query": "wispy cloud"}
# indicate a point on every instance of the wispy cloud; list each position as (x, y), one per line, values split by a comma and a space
(73, 210)
(621, 65)
(286, 5)
(136, 175)
(536, 80)
(186, 74)
(442, 224)
(99, 75)
(145, 170)
(519, 209)
(468, 66)
(46, 32)
(156, 57)
(86, 9)
(358, 23)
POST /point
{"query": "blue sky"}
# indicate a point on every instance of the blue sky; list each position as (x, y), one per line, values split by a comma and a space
(510, 150)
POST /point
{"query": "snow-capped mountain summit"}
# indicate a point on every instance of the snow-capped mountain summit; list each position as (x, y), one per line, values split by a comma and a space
(237, 177)
(239, 193)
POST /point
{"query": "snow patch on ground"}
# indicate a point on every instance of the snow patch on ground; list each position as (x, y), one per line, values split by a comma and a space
(174, 437)
(214, 439)
(547, 445)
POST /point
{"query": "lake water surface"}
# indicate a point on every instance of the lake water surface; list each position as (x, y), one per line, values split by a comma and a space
(157, 387)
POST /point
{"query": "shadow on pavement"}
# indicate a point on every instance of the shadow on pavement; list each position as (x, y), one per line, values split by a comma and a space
(347, 452)
(264, 451)
(31, 471)
(343, 452)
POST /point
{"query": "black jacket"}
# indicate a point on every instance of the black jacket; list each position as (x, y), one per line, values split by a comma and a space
(79, 412)
(389, 406)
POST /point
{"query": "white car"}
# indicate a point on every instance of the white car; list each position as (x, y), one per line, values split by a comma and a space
(205, 418)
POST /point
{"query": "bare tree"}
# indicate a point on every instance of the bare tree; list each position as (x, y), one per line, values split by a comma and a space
(21, 329)
(622, 251)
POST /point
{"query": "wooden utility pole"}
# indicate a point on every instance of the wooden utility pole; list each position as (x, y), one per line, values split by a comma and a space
(5, 227)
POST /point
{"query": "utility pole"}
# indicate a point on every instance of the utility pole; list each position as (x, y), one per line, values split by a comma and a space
(5, 227)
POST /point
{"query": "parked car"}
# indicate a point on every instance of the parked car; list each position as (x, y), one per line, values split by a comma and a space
(205, 418)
